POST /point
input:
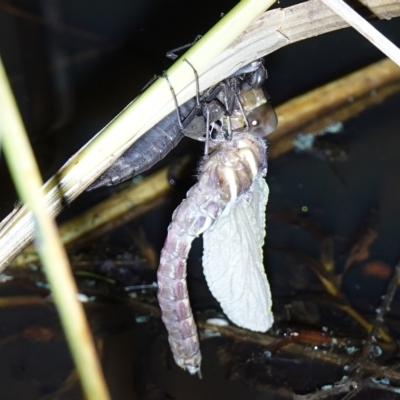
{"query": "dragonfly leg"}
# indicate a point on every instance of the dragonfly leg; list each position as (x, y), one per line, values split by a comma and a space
(172, 53)
(183, 123)
(229, 128)
(246, 121)
(178, 113)
(208, 133)
(228, 111)
(197, 83)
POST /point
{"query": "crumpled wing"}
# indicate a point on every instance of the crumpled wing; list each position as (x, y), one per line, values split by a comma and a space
(233, 260)
(258, 202)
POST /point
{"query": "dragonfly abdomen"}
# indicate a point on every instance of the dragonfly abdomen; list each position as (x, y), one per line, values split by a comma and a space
(148, 150)
(226, 175)
(190, 219)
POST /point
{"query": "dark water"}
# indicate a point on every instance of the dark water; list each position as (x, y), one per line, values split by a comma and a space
(109, 51)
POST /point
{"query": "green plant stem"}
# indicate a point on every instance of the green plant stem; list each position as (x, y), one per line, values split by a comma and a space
(26, 176)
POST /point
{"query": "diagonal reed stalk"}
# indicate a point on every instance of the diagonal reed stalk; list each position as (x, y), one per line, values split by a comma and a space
(365, 28)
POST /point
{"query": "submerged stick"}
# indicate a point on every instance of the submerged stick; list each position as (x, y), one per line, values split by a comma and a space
(336, 101)
(107, 215)
(28, 182)
(264, 340)
(356, 382)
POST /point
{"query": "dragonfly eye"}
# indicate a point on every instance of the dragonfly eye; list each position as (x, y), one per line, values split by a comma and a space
(257, 78)
(262, 120)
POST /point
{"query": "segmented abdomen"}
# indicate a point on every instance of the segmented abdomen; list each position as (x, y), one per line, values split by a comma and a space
(148, 150)
(226, 175)
(190, 219)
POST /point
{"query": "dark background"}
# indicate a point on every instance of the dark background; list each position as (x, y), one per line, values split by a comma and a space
(74, 65)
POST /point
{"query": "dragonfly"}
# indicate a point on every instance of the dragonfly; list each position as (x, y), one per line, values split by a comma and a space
(189, 120)
(226, 205)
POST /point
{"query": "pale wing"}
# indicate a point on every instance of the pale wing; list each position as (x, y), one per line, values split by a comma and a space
(258, 201)
(233, 262)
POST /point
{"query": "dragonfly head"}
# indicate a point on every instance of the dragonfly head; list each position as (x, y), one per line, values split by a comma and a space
(262, 120)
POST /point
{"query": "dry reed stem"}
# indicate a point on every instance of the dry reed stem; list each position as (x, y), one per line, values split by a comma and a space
(336, 101)
(121, 207)
(365, 28)
(21, 301)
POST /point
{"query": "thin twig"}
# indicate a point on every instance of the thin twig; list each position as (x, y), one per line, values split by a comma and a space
(297, 349)
(21, 301)
(365, 28)
(322, 394)
(382, 310)
(371, 339)
(362, 364)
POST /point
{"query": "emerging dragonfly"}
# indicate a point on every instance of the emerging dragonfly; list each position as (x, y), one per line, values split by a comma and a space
(189, 121)
(228, 206)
